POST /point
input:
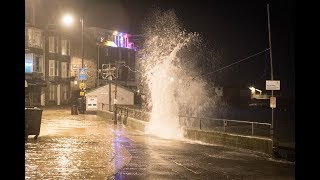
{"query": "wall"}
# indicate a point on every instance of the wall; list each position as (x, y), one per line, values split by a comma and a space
(257, 144)
(263, 145)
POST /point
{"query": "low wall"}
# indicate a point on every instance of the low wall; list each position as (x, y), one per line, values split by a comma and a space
(105, 114)
(131, 122)
(136, 124)
(263, 145)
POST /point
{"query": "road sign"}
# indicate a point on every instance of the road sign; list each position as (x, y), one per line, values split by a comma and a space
(82, 74)
(273, 102)
(81, 93)
(272, 85)
(82, 85)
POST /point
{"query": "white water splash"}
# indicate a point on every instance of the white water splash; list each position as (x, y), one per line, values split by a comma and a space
(170, 84)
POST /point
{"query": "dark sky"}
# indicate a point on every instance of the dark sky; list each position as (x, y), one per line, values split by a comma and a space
(237, 28)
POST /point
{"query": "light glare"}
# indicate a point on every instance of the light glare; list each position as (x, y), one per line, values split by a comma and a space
(67, 20)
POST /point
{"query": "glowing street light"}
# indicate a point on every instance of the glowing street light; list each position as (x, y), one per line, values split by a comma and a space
(253, 90)
(67, 20)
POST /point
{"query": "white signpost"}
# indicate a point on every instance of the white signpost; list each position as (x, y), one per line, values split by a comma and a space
(273, 102)
(272, 85)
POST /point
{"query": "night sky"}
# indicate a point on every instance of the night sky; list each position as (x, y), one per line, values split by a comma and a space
(236, 28)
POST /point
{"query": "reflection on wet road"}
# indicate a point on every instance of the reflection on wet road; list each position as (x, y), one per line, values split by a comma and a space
(89, 147)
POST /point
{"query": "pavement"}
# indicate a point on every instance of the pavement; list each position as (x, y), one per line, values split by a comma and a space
(86, 146)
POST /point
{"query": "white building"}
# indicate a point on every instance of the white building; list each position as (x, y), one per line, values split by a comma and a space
(98, 99)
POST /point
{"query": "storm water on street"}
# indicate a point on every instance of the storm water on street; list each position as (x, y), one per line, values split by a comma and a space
(74, 147)
(87, 146)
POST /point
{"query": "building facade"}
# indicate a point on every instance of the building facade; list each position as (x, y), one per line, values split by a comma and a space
(34, 59)
(116, 49)
(57, 67)
(54, 54)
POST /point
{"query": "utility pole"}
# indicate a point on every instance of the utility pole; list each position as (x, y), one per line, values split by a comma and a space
(108, 73)
(271, 67)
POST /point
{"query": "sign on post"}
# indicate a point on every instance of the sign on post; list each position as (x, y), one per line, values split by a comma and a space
(272, 85)
(81, 93)
(82, 85)
(82, 74)
(273, 102)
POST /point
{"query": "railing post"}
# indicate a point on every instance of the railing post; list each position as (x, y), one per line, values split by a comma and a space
(200, 123)
(126, 116)
(115, 114)
(252, 131)
(224, 125)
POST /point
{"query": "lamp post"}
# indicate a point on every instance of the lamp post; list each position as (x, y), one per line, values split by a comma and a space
(68, 20)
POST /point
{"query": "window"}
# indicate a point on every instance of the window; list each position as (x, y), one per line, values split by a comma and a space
(34, 37)
(56, 68)
(52, 93)
(53, 68)
(65, 92)
(38, 63)
(64, 69)
(65, 47)
(53, 44)
(28, 67)
(37, 38)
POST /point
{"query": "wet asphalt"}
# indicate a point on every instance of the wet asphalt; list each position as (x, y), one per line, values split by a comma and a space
(86, 146)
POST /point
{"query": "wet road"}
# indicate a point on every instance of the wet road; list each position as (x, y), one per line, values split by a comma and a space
(89, 147)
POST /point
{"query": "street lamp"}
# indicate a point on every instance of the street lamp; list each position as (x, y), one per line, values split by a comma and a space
(68, 21)
(253, 90)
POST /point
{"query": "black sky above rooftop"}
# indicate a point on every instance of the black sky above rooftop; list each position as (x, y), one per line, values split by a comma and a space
(237, 28)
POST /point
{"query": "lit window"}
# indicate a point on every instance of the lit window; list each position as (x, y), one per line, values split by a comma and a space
(64, 71)
(28, 68)
(53, 44)
(52, 89)
(65, 47)
(65, 92)
(56, 68)
(34, 37)
(51, 68)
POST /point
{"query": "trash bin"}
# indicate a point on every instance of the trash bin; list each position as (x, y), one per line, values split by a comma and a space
(32, 121)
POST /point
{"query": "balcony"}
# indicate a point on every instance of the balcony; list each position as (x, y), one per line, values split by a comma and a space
(35, 79)
(54, 78)
(36, 75)
(67, 79)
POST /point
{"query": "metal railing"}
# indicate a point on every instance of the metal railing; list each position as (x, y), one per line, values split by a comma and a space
(138, 114)
(105, 107)
(210, 124)
(227, 125)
